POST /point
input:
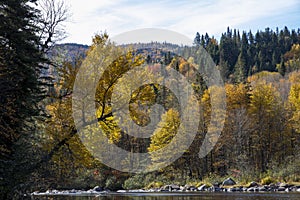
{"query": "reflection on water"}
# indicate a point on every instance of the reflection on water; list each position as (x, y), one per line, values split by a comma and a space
(181, 196)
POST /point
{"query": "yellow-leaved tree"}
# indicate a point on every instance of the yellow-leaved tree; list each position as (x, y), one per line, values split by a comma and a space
(294, 100)
(162, 136)
(69, 157)
(264, 109)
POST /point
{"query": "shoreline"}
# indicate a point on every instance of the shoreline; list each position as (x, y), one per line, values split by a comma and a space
(173, 190)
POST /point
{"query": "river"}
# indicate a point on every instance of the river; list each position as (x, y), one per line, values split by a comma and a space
(179, 196)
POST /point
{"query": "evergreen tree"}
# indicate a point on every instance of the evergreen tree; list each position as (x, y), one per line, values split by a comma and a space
(240, 68)
(197, 40)
(251, 53)
(20, 66)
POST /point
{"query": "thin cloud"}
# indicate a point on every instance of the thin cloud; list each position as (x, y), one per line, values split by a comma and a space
(186, 17)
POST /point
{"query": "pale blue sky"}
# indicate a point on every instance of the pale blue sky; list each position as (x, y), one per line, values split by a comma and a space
(183, 16)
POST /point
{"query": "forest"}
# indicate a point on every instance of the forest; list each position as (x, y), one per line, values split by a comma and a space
(40, 146)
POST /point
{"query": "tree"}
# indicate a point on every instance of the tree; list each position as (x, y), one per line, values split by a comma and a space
(292, 58)
(240, 67)
(197, 40)
(281, 67)
(294, 100)
(229, 53)
(264, 102)
(22, 89)
(213, 49)
(53, 14)
(20, 65)
(165, 132)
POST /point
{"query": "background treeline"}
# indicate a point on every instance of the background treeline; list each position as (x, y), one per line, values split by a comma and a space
(241, 54)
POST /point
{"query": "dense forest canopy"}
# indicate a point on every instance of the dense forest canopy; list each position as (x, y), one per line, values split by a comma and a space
(41, 145)
(241, 54)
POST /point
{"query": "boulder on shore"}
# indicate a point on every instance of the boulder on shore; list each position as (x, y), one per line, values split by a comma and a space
(229, 181)
(253, 184)
(202, 187)
(171, 187)
(98, 189)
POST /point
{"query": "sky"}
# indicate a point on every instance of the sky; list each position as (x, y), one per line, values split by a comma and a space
(90, 17)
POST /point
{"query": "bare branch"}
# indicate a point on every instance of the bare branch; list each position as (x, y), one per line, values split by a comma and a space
(53, 15)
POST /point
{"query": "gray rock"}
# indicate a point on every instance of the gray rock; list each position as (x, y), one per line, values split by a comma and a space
(272, 185)
(253, 189)
(253, 184)
(283, 185)
(175, 187)
(35, 193)
(216, 184)
(229, 181)
(281, 189)
(293, 189)
(121, 191)
(187, 187)
(298, 190)
(137, 191)
(167, 188)
(262, 189)
(232, 189)
(98, 189)
(171, 187)
(73, 191)
(193, 188)
(202, 187)
(215, 189)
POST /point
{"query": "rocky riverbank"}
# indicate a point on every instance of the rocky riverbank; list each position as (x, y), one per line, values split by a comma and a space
(228, 185)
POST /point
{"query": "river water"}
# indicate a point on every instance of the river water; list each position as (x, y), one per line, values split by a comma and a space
(180, 196)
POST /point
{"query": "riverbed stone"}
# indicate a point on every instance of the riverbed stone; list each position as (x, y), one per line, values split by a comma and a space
(232, 189)
(215, 189)
(98, 189)
(137, 191)
(171, 187)
(193, 188)
(283, 185)
(281, 189)
(175, 187)
(262, 189)
(202, 187)
(253, 184)
(253, 189)
(229, 181)
(73, 191)
(216, 184)
(187, 187)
